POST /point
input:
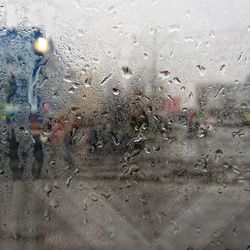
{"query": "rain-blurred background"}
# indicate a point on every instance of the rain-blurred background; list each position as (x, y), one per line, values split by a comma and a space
(124, 124)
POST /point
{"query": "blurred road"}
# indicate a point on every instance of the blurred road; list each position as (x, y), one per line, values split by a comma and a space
(128, 214)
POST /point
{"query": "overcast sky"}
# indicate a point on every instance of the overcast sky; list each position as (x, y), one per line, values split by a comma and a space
(174, 35)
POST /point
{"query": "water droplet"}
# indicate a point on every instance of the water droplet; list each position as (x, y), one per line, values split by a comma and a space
(85, 220)
(131, 155)
(191, 95)
(111, 10)
(75, 110)
(3, 131)
(236, 169)
(145, 56)
(237, 133)
(72, 90)
(127, 196)
(170, 98)
(240, 57)
(188, 39)
(164, 74)
(160, 88)
(176, 229)
(99, 144)
(115, 91)
(183, 88)
(201, 132)
(53, 203)
(108, 77)
(156, 148)
(135, 42)
(248, 28)
(46, 214)
(76, 84)
(95, 199)
(127, 72)
(147, 150)
(176, 80)
(198, 43)
(56, 184)
(67, 80)
(171, 54)
(95, 60)
(4, 141)
(107, 196)
(187, 14)
(173, 28)
(52, 163)
(108, 53)
(85, 207)
(48, 188)
(218, 154)
(201, 69)
(80, 32)
(212, 34)
(88, 80)
(219, 92)
(68, 181)
(198, 231)
(223, 68)
(76, 171)
(184, 110)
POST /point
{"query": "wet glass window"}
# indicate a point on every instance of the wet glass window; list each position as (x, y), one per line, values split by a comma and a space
(124, 125)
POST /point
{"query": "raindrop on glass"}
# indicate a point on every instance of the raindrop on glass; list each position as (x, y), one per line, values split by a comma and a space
(115, 91)
(48, 188)
(108, 77)
(88, 80)
(173, 28)
(176, 80)
(145, 55)
(201, 69)
(127, 72)
(223, 68)
(163, 74)
(212, 34)
(72, 90)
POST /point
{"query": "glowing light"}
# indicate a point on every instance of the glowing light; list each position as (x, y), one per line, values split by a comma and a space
(41, 45)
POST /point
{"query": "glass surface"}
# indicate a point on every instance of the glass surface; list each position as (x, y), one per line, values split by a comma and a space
(124, 124)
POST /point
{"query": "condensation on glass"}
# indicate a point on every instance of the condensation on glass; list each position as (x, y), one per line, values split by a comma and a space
(124, 124)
